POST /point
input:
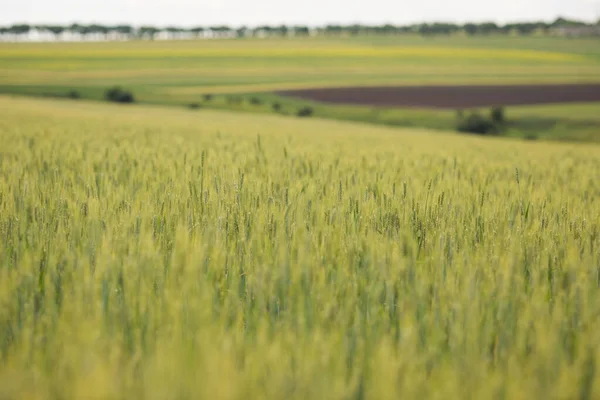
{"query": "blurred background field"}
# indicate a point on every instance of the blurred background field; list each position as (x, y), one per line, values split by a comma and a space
(243, 74)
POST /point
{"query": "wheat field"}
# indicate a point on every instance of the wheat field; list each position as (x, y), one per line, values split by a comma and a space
(159, 253)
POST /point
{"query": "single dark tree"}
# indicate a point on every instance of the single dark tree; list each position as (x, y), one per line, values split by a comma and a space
(118, 95)
(73, 94)
(255, 101)
(305, 112)
(497, 115)
(477, 123)
(208, 97)
(277, 107)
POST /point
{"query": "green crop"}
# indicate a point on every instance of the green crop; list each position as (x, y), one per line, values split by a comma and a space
(169, 254)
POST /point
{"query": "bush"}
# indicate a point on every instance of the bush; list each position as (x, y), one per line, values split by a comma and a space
(256, 101)
(497, 115)
(73, 94)
(118, 95)
(476, 123)
(277, 107)
(305, 112)
(193, 106)
(208, 97)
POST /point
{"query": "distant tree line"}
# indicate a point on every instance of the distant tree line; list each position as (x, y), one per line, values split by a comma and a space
(127, 32)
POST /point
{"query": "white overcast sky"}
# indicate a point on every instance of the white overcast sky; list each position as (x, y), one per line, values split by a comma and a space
(310, 12)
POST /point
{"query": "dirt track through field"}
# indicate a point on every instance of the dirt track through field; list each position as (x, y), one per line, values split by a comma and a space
(452, 97)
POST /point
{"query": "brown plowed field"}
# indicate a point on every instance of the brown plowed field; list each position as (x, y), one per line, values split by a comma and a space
(453, 97)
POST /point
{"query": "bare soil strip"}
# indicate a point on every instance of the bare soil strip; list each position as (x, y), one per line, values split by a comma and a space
(452, 97)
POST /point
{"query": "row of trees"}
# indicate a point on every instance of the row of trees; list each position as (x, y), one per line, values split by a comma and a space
(152, 32)
(21, 29)
(125, 31)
